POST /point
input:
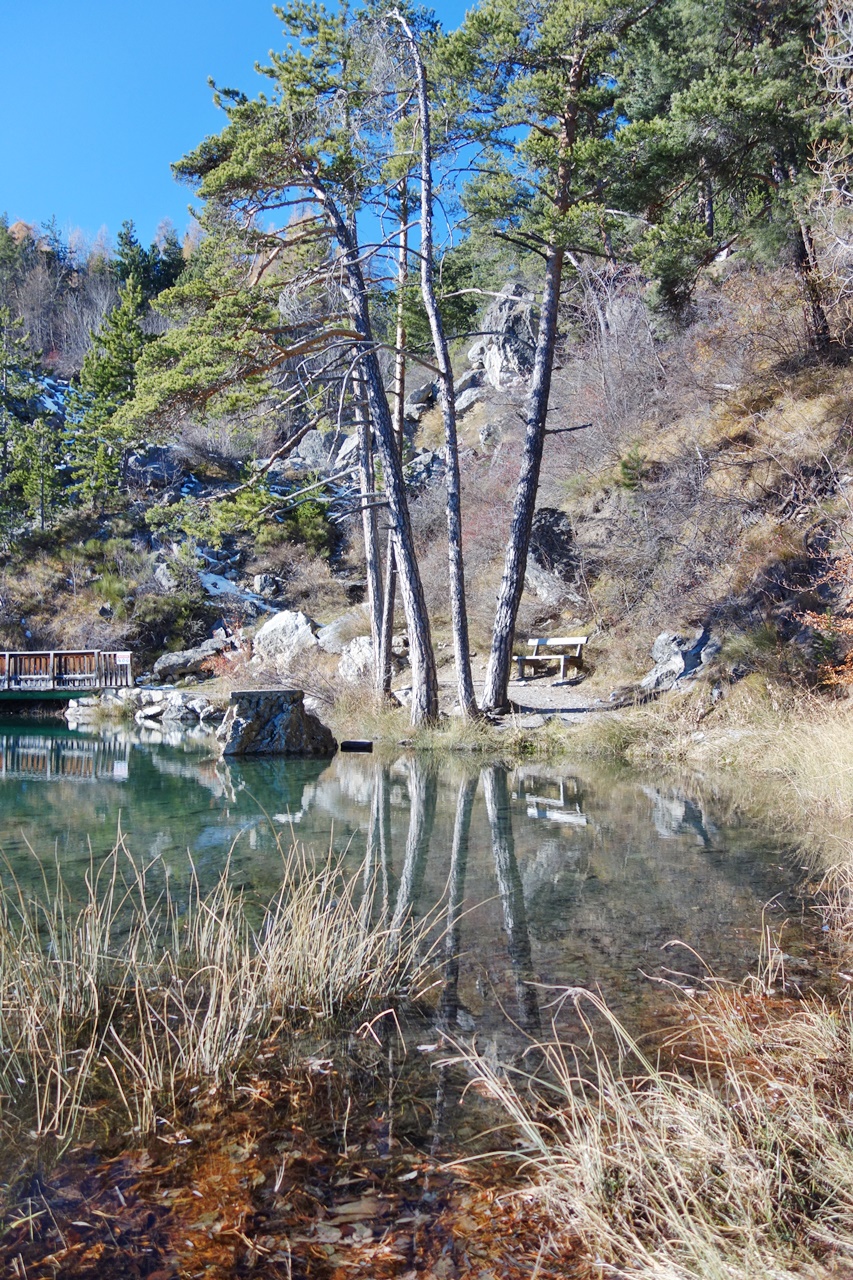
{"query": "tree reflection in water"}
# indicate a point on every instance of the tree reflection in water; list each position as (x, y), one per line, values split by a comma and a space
(449, 1004)
(512, 896)
(423, 791)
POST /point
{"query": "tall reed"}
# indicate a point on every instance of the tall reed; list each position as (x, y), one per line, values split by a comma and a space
(131, 995)
(734, 1167)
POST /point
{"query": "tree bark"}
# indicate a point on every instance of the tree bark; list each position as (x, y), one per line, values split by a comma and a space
(458, 608)
(367, 485)
(515, 565)
(390, 597)
(424, 679)
(806, 267)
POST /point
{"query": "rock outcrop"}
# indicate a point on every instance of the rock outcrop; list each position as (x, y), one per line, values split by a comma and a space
(553, 565)
(273, 722)
(677, 657)
(156, 467)
(506, 348)
(317, 451)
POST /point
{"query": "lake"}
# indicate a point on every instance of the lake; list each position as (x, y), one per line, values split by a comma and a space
(574, 874)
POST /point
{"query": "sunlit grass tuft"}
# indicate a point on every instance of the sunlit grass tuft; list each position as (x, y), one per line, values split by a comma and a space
(734, 1165)
(129, 996)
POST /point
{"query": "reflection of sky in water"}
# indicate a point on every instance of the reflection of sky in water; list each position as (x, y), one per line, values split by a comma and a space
(571, 874)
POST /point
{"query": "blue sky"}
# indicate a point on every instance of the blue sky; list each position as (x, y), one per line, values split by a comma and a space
(100, 96)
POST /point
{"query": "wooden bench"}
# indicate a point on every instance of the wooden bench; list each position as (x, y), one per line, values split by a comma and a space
(569, 649)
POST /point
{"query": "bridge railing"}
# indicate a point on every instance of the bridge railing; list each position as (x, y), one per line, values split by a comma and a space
(58, 670)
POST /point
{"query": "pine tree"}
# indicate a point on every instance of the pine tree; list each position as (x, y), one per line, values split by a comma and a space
(155, 269)
(726, 114)
(18, 386)
(166, 259)
(314, 148)
(536, 87)
(34, 470)
(98, 440)
(131, 260)
(17, 383)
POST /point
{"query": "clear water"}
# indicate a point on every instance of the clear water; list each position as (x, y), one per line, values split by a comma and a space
(573, 874)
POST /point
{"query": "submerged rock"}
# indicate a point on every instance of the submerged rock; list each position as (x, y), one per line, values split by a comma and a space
(273, 722)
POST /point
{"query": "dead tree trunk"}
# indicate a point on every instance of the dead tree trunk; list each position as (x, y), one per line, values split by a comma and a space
(458, 608)
(390, 597)
(424, 679)
(367, 488)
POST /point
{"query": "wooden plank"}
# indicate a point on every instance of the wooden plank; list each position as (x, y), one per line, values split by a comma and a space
(556, 641)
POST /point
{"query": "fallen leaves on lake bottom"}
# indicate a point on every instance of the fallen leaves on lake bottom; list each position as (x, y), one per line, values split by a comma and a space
(276, 1184)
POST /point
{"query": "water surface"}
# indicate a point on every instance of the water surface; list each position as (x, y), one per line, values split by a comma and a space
(574, 874)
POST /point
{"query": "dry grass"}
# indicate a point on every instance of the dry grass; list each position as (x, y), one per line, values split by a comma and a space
(733, 1166)
(134, 997)
(734, 1161)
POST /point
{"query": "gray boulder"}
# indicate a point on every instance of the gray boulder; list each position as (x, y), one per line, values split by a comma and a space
(165, 579)
(187, 662)
(506, 348)
(267, 584)
(357, 660)
(318, 450)
(177, 709)
(335, 636)
(677, 657)
(468, 399)
(421, 397)
(490, 435)
(348, 454)
(285, 635)
(273, 722)
(466, 381)
(424, 468)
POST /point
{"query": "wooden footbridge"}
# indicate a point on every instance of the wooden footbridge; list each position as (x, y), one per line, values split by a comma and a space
(63, 673)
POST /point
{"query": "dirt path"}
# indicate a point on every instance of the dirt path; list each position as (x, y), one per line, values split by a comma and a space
(534, 698)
